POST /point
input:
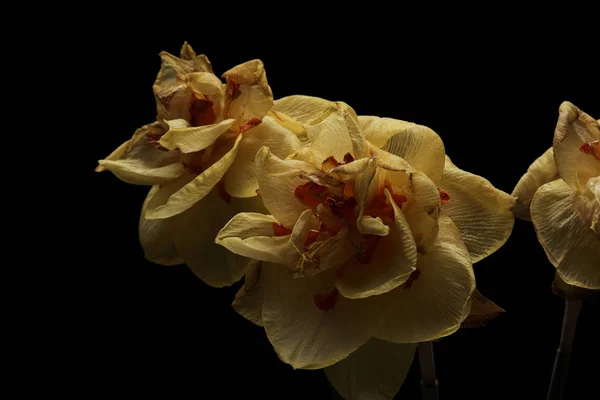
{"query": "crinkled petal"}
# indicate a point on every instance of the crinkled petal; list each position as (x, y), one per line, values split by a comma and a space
(573, 129)
(432, 305)
(393, 261)
(572, 247)
(197, 189)
(330, 137)
(417, 144)
(195, 242)
(482, 310)
(277, 181)
(481, 212)
(190, 139)
(240, 180)
(542, 171)
(248, 95)
(252, 235)
(249, 299)
(375, 371)
(306, 110)
(304, 335)
(422, 210)
(138, 162)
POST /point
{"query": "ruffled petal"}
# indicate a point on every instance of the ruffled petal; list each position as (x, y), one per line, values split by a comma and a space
(240, 180)
(138, 162)
(190, 139)
(307, 321)
(574, 130)
(306, 110)
(393, 261)
(417, 144)
(481, 212)
(431, 304)
(249, 299)
(542, 171)
(570, 243)
(197, 189)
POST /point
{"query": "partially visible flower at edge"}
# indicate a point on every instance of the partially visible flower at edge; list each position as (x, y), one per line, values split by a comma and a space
(560, 194)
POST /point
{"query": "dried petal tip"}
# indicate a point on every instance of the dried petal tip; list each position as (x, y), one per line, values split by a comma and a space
(592, 148)
(187, 53)
(326, 300)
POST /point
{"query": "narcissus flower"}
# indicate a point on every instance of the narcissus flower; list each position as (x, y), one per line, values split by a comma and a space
(199, 158)
(368, 248)
(560, 193)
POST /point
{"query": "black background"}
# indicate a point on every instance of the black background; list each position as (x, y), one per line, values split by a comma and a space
(491, 92)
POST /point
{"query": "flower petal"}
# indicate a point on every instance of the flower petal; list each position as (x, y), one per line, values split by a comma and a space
(481, 212)
(542, 171)
(571, 246)
(375, 371)
(240, 180)
(251, 235)
(138, 162)
(481, 311)
(197, 189)
(157, 237)
(393, 262)
(190, 139)
(417, 144)
(573, 129)
(432, 305)
(330, 137)
(304, 335)
(277, 181)
(248, 95)
(249, 299)
(306, 110)
(422, 210)
(195, 242)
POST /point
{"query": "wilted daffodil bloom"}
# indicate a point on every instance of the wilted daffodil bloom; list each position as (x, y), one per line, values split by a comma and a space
(560, 193)
(368, 248)
(199, 158)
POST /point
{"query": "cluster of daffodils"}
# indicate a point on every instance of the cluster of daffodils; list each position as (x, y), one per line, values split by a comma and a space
(355, 235)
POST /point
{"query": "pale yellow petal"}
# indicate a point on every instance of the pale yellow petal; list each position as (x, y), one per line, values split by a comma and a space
(197, 189)
(422, 211)
(481, 212)
(212, 263)
(372, 226)
(190, 139)
(157, 237)
(573, 129)
(570, 244)
(277, 181)
(306, 110)
(138, 162)
(419, 145)
(248, 95)
(391, 265)
(329, 137)
(205, 83)
(199, 62)
(542, 171)
(431, 305)
(252, 235)
(304, 335)
(375, 371)
(359, 144)
(249, 299)
(240, 180)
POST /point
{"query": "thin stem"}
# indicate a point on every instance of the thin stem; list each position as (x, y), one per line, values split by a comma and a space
(429, 383)
(563, 354)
